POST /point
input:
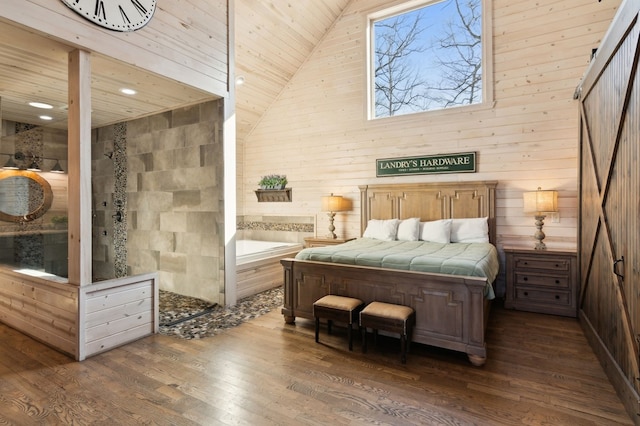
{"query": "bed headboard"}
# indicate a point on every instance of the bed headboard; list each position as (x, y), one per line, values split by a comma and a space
(429, 201)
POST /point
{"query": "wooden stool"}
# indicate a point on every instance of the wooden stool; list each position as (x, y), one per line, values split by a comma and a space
(388, 317)
(337, 308)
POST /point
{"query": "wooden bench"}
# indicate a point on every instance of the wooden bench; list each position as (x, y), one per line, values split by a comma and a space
(388, 317)
(337, 308)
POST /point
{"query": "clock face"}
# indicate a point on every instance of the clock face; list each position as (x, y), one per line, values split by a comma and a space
(117, 15)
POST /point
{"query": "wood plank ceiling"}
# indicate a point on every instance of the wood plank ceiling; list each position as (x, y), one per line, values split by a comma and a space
(273, 39)
(34, 68)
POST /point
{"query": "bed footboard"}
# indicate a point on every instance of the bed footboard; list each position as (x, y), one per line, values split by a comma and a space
(451, 311)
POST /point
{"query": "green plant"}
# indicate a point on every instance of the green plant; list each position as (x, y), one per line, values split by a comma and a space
(273, 181)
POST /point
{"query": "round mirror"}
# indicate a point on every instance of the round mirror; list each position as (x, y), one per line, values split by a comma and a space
(24, 195)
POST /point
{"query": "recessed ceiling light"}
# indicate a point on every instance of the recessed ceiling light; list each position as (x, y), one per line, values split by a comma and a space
(240, 80)
(46, 117)
(40, 105)
(128, 91)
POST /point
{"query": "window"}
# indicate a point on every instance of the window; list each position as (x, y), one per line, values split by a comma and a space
(426, 57)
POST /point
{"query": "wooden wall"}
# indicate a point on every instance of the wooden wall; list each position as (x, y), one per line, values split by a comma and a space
(260, 275)
(45, 310)
(116, 312)
(185, 40)
(80, 321)
(317, 133)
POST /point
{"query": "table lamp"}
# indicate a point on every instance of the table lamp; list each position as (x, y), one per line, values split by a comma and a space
(332, 204)
(540, 202)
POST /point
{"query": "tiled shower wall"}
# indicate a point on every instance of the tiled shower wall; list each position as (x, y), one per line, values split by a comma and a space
(109, 182)
(164, 173)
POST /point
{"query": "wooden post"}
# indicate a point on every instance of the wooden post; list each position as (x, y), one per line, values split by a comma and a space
(79, 160)
(229, 180)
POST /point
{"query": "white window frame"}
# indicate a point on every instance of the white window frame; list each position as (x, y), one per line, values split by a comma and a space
(487, 58)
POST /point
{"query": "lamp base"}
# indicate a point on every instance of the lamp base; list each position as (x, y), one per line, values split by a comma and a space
(539, 235)
(332, 235)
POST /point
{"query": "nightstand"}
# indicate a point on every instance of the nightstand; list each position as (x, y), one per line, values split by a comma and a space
(542, 281)
(324, 241)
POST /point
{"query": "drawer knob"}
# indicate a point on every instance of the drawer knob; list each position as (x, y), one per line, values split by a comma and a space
(557, 281)
(525, 279)
(526, 293)
(557, 297)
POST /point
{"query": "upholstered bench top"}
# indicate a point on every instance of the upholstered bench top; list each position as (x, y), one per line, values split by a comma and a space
(388, 310)
(338, 302)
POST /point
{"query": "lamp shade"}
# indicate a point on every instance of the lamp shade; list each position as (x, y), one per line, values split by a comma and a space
(540, 201)
(333, 203)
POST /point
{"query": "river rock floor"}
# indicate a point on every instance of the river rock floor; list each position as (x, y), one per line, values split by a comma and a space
(191, 318)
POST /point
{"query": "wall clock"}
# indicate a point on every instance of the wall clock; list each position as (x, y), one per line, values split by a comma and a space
(117, 15)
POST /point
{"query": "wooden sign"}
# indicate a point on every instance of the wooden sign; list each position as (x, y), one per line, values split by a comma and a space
(444, 163)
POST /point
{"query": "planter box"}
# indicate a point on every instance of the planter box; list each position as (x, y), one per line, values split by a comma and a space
(274, 195)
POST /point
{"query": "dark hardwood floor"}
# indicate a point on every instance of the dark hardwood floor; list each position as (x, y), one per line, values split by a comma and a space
(540, 371)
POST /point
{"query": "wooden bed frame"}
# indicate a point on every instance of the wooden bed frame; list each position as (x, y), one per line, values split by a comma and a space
(451, 311)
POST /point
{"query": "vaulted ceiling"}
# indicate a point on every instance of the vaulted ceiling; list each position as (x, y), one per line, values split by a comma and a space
(272, 40)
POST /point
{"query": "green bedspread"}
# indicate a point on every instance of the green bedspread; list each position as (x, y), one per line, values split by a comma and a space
(468, 259)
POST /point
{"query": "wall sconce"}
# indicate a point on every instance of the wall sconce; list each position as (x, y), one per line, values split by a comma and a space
(33, 165)
(540, 202)
(57, 168)
(10, 164)
(332, 204)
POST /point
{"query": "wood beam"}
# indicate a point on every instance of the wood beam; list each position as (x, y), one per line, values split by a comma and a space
(79, 159)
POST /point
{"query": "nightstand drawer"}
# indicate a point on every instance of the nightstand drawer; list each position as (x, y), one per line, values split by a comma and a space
(561, 282)
(542, 296)
(544, 264)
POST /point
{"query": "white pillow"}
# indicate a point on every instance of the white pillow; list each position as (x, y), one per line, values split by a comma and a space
(409, 229)
(472, 230)
(437, 231)
(385, 230)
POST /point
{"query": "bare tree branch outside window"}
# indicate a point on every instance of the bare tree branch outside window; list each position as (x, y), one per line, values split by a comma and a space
(429, 58)
(398, 84)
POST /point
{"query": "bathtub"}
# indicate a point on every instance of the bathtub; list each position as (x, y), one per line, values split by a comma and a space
(251, 250)
(258, 265)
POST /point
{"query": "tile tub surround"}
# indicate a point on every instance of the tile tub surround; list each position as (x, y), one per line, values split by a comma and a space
(275, 228)
(216, 318)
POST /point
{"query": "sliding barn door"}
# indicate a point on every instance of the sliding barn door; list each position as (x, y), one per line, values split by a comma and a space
(610, 205)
